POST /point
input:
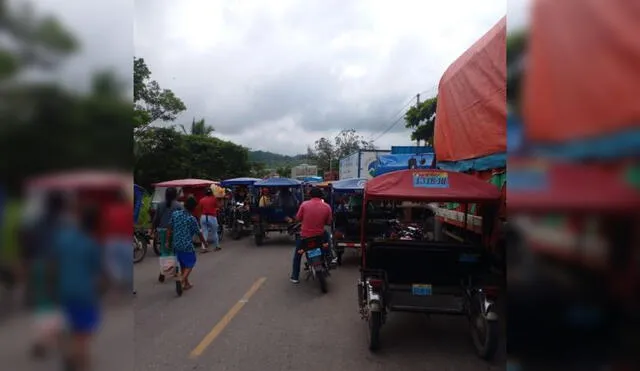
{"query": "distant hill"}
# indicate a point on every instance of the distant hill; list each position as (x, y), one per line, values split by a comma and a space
(275, 160)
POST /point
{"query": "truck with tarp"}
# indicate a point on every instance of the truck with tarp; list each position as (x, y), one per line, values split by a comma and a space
(573, 188)
(470, 133)
(360, 164)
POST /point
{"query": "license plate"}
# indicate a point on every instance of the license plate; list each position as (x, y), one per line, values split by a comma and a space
(421, 290)
(314, 253)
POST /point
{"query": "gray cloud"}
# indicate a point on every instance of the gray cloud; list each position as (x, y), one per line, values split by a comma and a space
(282, 67)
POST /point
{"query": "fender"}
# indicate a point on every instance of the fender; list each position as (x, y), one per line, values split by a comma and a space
(374, 300)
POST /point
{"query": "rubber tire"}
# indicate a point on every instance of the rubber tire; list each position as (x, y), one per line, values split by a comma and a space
(220, 233)
(161, 278)
(339, 256)
(235, 233)
(143, 252)
(322, 280)
(259, 239)
(489, 346)
(375, 322)
(156, 248)
(179, 289)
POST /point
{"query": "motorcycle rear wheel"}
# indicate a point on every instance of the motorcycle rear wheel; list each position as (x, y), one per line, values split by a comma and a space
(139, 250)
(375, 321)
(322, 279)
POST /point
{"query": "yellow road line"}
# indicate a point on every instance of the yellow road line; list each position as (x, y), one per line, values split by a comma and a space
(224, 322)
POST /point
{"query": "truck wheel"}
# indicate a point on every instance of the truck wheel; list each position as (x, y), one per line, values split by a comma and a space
(375, 322)
(259, 239)
(485, 334)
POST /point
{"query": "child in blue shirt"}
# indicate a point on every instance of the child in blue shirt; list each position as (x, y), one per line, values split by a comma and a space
(182, 228)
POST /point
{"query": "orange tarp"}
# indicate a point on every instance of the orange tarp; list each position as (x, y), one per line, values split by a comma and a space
(582, 77)
(471, 117)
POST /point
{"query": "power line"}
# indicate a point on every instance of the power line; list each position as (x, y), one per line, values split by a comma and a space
(401, 112)
(431, 91)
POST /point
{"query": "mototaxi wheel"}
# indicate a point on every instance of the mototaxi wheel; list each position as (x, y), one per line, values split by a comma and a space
(235, 232)
(485, 335)
(259, 239)
(179, 288)
(339, 255)
(161, 278)
(375, 322)
(322, 280)
(139, 250)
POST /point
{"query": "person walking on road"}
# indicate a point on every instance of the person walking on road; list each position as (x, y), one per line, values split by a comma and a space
(209, 219)
(77, 257)
(162, 218)
(314, 215)
(182, 228)
(117, 230)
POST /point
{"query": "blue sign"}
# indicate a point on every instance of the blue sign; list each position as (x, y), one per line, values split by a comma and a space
(430, 179)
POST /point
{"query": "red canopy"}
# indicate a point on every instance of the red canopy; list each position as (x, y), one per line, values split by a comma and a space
(431, 186)
(567, 187)
(185, 183)
(81, 179)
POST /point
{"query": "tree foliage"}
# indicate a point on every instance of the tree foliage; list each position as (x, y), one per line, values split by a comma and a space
(422, 118)
(326, 153)
(46, 127)
(198, 128)
(151, 103)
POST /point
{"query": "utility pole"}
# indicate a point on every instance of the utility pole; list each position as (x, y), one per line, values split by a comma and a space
(417, 105)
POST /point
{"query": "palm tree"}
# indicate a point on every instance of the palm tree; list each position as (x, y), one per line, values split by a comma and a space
(198, 128)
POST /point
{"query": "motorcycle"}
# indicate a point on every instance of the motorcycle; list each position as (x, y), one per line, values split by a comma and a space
(141, 241)
(318, 262)
(239, 220)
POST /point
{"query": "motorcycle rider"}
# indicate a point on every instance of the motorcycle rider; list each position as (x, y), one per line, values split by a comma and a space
(314, 215)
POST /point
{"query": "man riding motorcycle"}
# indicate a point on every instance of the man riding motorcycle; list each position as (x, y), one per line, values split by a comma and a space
(313, 215)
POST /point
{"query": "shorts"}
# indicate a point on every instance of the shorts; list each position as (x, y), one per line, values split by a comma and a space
(82, 318)
(187, 260)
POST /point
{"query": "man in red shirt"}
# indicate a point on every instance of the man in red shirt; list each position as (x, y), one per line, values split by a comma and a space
(209, 219)
(117, 230)
(314, 215)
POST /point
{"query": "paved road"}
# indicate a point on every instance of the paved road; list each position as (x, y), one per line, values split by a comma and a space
(244, 315)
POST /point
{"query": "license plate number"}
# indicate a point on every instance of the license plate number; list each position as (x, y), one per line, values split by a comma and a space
(421, 290)
(314, 253)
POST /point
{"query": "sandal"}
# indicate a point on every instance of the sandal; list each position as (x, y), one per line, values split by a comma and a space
(187, 286)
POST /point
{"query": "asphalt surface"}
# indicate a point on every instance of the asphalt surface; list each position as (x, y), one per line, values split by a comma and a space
(243, 314)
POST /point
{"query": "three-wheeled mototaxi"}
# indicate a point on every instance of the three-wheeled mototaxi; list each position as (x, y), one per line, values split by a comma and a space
(237, 212)
(284, 196)
(345, 198)
(422, 271)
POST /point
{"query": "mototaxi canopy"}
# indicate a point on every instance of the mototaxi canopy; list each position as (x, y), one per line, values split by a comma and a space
(430, 185)
(277, 182)
(185, 183)
(246, 181)
(349, 185)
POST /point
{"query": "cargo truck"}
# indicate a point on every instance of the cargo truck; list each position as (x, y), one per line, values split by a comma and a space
(360, 164)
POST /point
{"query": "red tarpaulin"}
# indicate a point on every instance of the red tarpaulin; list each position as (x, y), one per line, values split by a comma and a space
(535, 186)
(185, 183)
(582, 78)
(82, 179)
(471, 117)
(431, 186)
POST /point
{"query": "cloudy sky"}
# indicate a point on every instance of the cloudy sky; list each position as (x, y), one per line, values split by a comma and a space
(276, 75)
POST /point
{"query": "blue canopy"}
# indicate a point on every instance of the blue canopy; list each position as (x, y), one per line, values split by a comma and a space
(239, 181)
(349, 185)
(312, 179)
(278, 182)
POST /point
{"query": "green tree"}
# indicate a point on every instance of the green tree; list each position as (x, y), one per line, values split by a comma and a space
(199, 128)
(422, 118)
(151, 102)
(284, 171)
(326, 153)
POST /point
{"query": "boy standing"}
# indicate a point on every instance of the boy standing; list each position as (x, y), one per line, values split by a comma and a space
(182, 228)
